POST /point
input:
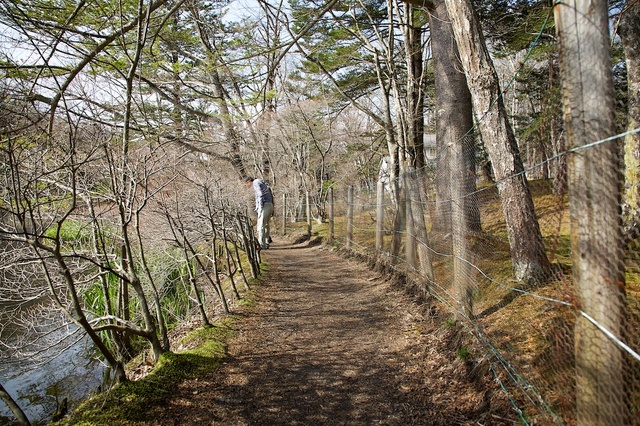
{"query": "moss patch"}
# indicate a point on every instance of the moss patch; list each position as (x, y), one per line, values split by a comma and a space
(129, 402)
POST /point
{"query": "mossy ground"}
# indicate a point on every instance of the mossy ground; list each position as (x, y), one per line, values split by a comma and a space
(127, 403)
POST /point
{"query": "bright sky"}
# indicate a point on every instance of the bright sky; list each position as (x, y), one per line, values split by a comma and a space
(239, 9)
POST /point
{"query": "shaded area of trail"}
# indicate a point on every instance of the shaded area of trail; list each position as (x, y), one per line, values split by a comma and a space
(332, 343)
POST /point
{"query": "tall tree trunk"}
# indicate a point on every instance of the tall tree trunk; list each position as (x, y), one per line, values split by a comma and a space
(412, 125)
(629, 31)
(271, 33)
(529, 259)
(454, 122)
(415, 94)
(228, 126)
(594, 200)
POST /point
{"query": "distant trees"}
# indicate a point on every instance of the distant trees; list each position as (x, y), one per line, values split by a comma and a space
(388, 82)
(309, 137)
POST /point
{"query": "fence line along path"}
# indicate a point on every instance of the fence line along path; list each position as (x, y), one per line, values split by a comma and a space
(334, 343)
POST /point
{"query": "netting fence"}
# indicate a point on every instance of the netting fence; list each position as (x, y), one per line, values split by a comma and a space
(531, 322)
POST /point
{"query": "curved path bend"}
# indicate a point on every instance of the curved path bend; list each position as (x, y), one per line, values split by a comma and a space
(331, 342)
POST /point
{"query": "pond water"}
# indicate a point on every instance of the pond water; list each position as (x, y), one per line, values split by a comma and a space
(74, 374)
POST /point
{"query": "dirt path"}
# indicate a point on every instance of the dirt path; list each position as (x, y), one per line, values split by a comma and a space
(332, 343)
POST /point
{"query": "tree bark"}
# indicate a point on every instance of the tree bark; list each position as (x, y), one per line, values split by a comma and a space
(528, 256)
(455, 176)
(454, 122)
(594, 200)
(415, 94)
(414, 183)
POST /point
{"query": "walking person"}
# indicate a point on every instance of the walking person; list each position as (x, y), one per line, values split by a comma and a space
(264, 208)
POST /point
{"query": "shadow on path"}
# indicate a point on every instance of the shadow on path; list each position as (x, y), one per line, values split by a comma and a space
(329, 344)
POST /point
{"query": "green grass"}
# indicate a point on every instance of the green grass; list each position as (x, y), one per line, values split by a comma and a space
(464, 353)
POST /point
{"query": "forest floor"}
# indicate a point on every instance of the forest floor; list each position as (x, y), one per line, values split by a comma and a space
(332, 342)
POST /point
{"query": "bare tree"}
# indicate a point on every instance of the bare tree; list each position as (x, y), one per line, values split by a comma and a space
(79, 178)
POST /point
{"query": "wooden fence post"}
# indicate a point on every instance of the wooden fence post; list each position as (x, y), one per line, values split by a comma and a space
(462, 272)
(410, 238)
(284, 214)
(349, 216)
(602, 391)
(379, 216)
(308, 216)
(331, 217)
(422, 239)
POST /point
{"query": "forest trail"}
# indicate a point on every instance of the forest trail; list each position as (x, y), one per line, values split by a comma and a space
(331, 342)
